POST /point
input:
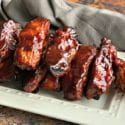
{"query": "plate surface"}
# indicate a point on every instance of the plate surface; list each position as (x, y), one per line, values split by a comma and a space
(110, 109)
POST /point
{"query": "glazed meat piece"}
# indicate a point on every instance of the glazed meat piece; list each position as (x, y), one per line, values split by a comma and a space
(32, 44)
(7, 70)
(62, 49)
(9, 33)
(51, 83)
(32, 83)
(101, 75)
(119, 65)
(74, 81)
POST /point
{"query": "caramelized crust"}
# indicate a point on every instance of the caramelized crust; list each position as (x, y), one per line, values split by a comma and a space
(51, 83)
(8, 38)
(74, 81)
(32, 83)
(62, 49)
(101, 76)
(32, 44)
(120, 74)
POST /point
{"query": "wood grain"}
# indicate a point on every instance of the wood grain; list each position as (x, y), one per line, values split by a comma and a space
(114, 5)
(9, 116)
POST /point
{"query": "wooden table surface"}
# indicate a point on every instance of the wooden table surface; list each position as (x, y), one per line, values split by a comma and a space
(10, 116)
(115, 5)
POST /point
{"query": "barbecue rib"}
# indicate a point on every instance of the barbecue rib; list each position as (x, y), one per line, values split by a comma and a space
(74, 81)
(119, 65)
(32, 44)
(101, 76)
(8, 38)
(32, 83)
(62, 49)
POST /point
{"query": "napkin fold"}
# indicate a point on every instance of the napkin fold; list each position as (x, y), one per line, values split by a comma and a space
(91, 24)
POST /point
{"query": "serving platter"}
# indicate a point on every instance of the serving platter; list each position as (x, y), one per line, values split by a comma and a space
(110, 109)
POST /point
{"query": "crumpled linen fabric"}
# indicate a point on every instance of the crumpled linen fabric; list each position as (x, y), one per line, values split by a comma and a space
(91, 24)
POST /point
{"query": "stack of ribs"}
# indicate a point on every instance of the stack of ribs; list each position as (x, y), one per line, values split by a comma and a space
(57, 62)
